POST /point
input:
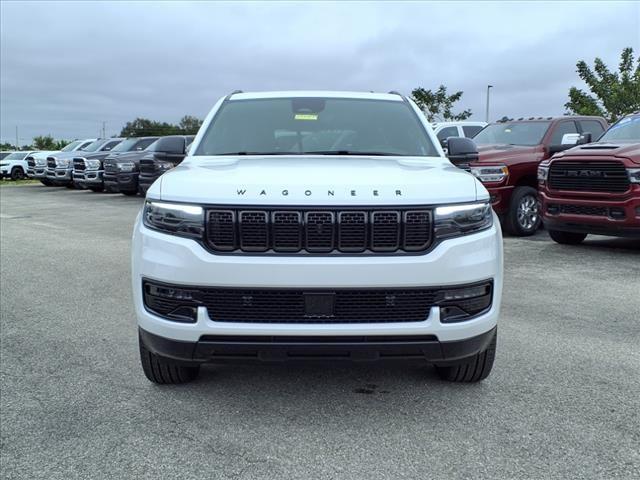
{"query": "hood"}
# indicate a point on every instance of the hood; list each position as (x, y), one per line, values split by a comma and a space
(127, 156)
(630, 150)
(501, 153)
(60, 155)
(92, 155)
(317, 181)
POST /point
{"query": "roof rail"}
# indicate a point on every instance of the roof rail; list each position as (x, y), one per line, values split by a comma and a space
(393, 92)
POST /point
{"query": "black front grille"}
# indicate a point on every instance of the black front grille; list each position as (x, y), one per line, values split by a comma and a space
(51, 162)
(147, 166)
(78, 164)
(31, 162)
(110, 167)
(583, 210)
(592, 176)
(319, 230)
(289, 305)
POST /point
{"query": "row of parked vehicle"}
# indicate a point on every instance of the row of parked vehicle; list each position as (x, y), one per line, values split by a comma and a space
(526, 165)
(552, 170)
(125, 165)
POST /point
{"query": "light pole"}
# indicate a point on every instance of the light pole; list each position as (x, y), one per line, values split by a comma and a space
(489, 87)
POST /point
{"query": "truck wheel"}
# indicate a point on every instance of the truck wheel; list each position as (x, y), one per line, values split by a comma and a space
(567, 238)
(130, 193)
(17, 173)
(162, 371)
(472, 370)
(523, 218)
(45, 182)
(96, 189)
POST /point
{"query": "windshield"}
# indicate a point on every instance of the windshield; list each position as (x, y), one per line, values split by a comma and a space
(15, 156)
(125, 145)
(626, 129)
(95, 146)
(515, 133)
(71, 146)
(338, 126)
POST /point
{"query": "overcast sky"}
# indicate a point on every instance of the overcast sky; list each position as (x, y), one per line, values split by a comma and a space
(66, 67)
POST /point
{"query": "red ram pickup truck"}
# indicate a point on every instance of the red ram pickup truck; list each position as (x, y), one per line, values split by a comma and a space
(594, 188)
(509, 154)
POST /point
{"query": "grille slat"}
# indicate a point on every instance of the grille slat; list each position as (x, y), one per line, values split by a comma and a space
(78, 164)
(596, 176)
(319, 230)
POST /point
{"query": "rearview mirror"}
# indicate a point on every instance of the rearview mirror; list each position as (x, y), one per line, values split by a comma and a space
(461, 150)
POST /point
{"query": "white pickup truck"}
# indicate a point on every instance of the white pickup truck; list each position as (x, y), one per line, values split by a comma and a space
(317, 225)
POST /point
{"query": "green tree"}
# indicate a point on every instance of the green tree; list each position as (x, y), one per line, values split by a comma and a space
(613, 94)
(6, 147)
(438, 106)
(47, 142)
(141, 127)
(190, 125)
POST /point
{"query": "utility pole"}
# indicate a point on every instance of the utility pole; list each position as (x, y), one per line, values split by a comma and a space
(17, 146)
(103, 129)
(489, 87)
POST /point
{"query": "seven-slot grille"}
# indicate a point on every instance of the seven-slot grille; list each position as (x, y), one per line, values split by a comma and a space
(596, 176)
(78, 164)
(319, 230)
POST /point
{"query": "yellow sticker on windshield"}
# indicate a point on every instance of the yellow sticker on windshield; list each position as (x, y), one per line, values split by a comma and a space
(306, 116)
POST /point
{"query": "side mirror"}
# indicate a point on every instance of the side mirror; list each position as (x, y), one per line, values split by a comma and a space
(461, 150)
(171, 146)
(585, 138)
(570, 139)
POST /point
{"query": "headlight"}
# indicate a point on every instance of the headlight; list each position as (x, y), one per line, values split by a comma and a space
(62, 162)
(491, 174)
(174, 218)
(634, 175)
(126, 166)
(543, 171)
(93, 164)
(454, 220)
(41, 162)
(165, 165)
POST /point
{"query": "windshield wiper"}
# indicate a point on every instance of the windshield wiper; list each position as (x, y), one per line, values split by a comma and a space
(353, 152)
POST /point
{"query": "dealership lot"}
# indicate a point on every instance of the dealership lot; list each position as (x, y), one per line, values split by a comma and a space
(562, 400)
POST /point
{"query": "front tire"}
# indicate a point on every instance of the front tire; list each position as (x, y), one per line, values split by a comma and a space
(473, 369)
(130, 193)
(567, 238)
(96, 189)
(163, 371)
(45, 182)
(523, 217)
(17, 173)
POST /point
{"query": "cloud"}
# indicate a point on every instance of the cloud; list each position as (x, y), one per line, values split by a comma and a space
(66, 67)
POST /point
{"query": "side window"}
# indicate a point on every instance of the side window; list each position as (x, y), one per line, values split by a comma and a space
(447, 132)
(109, 145)
(142, 144)
(593, 127)
(471, 130)
(85, 144)
(562, 129)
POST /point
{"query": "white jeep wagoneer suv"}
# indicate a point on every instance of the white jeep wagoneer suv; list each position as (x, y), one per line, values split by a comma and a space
(317, 225)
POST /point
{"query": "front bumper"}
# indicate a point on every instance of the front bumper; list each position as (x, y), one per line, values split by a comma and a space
(39, 172)
(171, 259)
(59, 176)
(500, 197)
(4, 172)
(598, 215)
(127, 182)
(145, 181)
(282, 348)
(88, 178)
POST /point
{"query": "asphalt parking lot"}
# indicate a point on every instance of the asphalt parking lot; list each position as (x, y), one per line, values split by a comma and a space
(562, 401)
